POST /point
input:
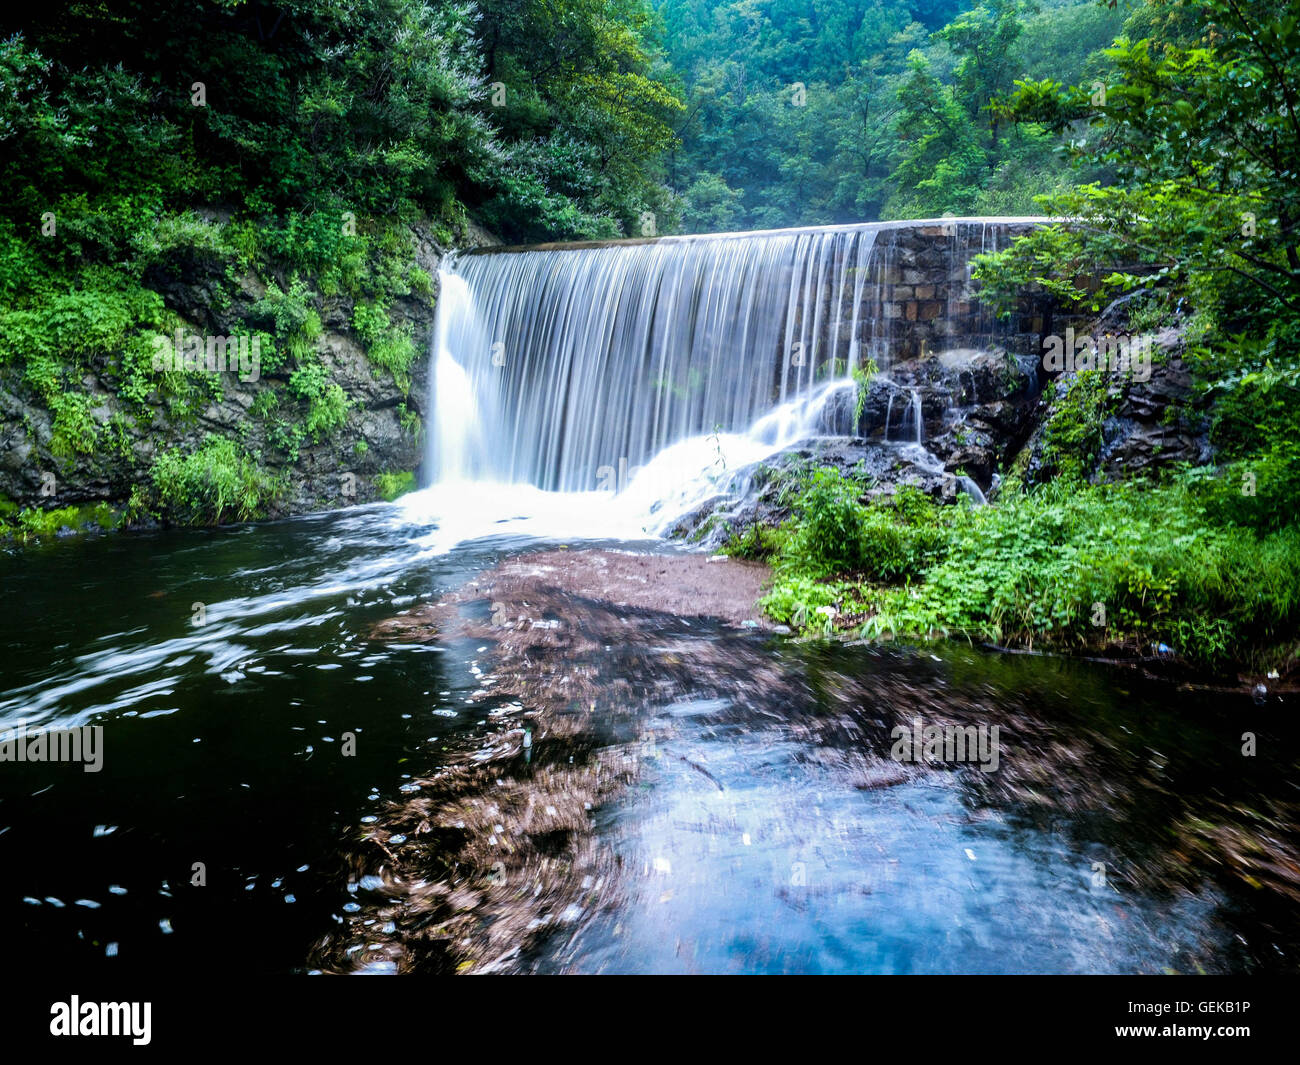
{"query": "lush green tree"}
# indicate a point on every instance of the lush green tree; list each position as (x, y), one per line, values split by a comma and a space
(711, 205)
(388, 105)
(850, 110)
(984, 40)
(577, 90)
(1203, 136)
(942, 162)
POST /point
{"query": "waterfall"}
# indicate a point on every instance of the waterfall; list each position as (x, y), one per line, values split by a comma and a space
(601, 390)
(555, 366)
(457, 442)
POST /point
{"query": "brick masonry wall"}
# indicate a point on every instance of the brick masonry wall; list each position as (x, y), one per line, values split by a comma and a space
(925, 298)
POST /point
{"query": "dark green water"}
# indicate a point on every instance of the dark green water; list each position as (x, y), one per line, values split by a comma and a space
(223, 745)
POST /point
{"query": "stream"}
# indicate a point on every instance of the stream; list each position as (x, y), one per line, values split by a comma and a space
(750, 817)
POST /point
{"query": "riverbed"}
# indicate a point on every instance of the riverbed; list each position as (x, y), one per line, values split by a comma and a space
(532, 773)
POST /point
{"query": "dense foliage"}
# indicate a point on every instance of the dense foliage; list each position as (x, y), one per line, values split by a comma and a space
(286, 147)
(802, 113)
(1194, 230)
(1184, 563)
(385, 108)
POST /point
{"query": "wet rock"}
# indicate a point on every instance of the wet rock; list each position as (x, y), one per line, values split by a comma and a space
(762, 493)
(1149, 425)
(973, 409)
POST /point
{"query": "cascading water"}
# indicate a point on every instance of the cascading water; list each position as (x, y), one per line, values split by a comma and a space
(653, 369)
(912, 427)
(578, 361)
(457, 440)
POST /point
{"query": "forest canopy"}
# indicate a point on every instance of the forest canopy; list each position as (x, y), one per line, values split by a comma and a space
(542, 118)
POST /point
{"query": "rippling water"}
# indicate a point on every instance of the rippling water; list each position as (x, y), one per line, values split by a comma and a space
(743, 842)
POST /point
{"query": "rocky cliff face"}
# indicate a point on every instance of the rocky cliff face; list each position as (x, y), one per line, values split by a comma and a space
(382, 431)
(1141, 426)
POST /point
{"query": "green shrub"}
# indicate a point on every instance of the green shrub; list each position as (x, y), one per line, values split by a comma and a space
(388, 346)
(1256, 493)
(420, 282)
(757, 541)
(862, 376)
(319, 244)
(391, 485)
(409, 420)
(795, 600)
(32, 523)
(1068, 563)
(74, 431)
(217, 482)
(296, 321)
(828, 535)
(903, 536)
(1110, 562)
(1073, 432)
(327, 405)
